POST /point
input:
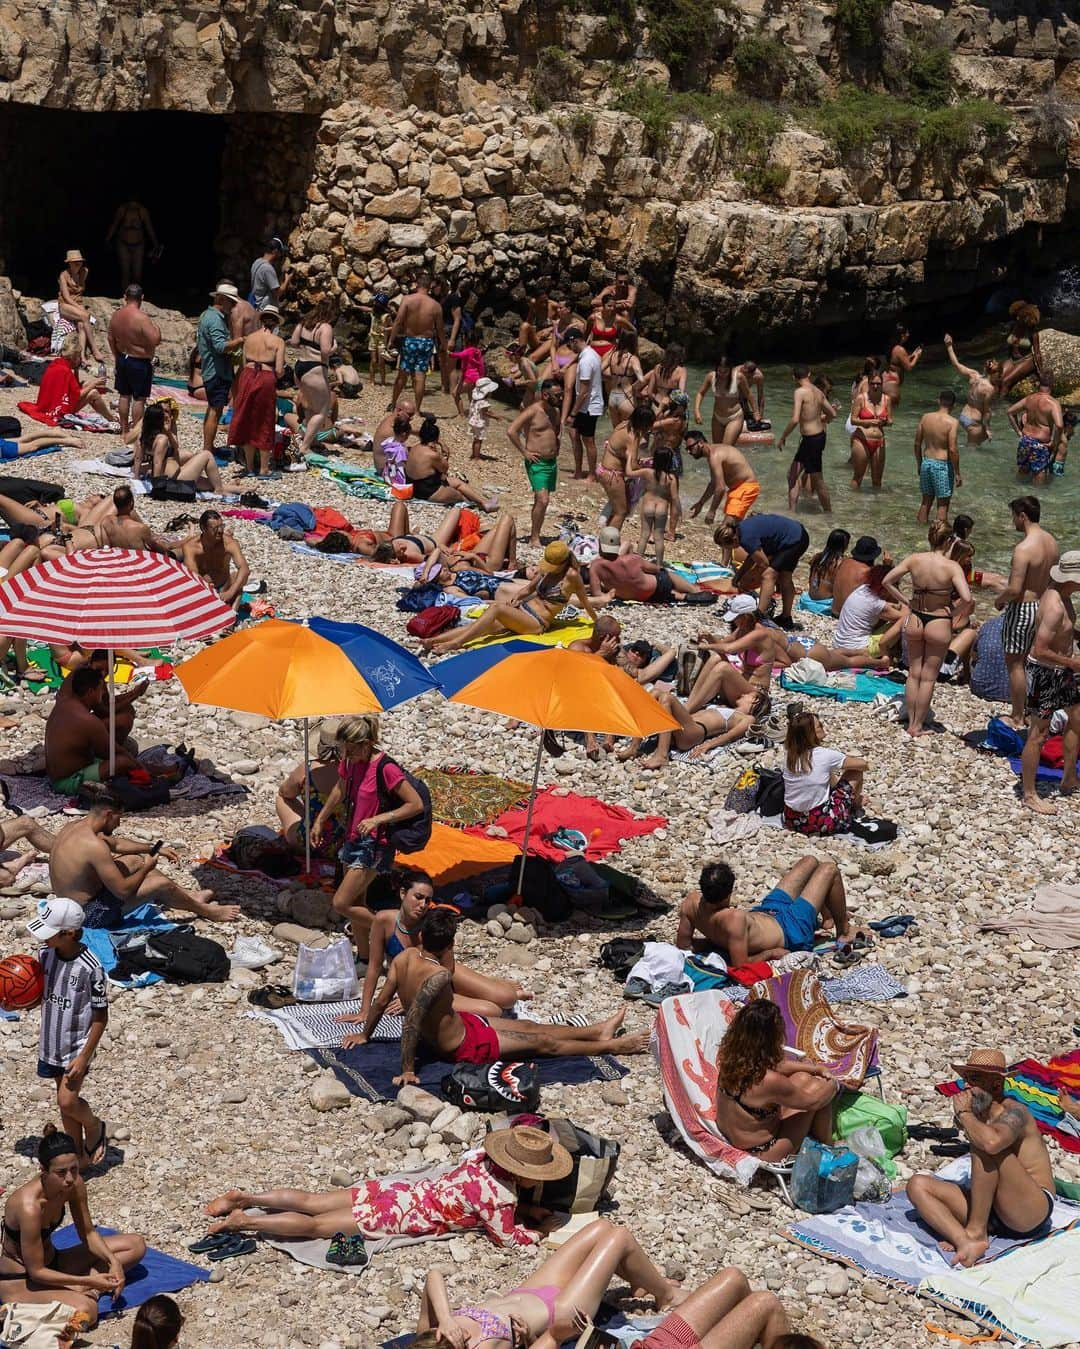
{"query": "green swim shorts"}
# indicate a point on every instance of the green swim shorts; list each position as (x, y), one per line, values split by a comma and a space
(71, 784)
(543, 474)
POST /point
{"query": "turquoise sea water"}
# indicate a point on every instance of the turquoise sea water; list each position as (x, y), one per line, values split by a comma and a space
(988, 473)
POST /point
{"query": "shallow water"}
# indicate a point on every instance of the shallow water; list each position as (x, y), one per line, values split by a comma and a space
(988, 473)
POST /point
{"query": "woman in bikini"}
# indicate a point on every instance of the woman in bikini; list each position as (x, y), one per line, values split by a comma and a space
(621, 369)
(605, 326)
(900, 362)
(33, 1270)
(620, 458)
(871, 413)
(129, 234)
(766, 1104)
(823, 565)
(982, 390)
(556, 584)
(730, 393)
(158, 453)
(758, 643)
(936, 580)
(313, 337)
(1025, 357)
(703, 730)
(71, 302)
(549, 1307)
(663, 378)
(195, 387)
(254, 393)
(661, 487)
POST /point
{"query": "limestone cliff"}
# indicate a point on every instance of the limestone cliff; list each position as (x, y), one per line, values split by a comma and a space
(480, 138)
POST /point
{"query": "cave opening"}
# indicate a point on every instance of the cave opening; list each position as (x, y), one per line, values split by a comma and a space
(213, 185)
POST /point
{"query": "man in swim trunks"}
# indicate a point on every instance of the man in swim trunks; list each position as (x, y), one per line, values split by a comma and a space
(215, 556)
(422, 978)
(811, 412)
(937, 457)
(133, 339)
(1038, 421)
(535, 433)
(786, 920)
(1029, 576)
(84, 866)
(732, 481)
(1053, 680)
(1011, 1188)
(77, 736)
(417, 331)
(621, 573)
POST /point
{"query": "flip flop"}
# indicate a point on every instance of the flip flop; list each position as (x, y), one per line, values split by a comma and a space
(101, 1146)
(892, 930)
(211, 1242)
(895, 919)
(233, 1247)
(850, 955)
(938, 1132)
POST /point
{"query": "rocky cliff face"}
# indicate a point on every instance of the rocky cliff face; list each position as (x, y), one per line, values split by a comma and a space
(421, 143)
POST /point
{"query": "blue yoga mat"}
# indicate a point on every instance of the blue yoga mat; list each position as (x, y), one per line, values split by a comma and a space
(155, 1273)
(370, 1070)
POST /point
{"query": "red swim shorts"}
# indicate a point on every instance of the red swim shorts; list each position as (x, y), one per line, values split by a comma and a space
(671, 1333)
(480, 1045)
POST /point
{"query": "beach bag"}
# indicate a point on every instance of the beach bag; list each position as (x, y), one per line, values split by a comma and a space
(132, 795)
(588, 1184)
(33, 1325)
(823, 1178)
(770, 793)
(857, 1109)
(254, 851)
(171, 489)
(434, 619)
(493, 1087)
(179, 955)
(414, 834)
(326, 973)
(620, 955)
(1004, 739)
(742, 795)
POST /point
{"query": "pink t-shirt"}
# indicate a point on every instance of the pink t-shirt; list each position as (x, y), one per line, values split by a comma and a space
(472, 364)
(362, 788)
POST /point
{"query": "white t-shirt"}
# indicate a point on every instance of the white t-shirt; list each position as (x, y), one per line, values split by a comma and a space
(804, 791)
(858, 618)
(588, 371)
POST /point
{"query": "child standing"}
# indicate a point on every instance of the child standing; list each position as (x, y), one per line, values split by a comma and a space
(480, 413)
(471, 369)
(660, 482)
(378, 337)
(74, 1014)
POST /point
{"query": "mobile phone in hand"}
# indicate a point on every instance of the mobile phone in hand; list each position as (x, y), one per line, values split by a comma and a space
(157, 847)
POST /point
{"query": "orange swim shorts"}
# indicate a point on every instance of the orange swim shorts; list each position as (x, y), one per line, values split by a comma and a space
(740, 499)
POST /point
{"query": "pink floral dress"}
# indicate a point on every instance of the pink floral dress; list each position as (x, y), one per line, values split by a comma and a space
(473, 1194)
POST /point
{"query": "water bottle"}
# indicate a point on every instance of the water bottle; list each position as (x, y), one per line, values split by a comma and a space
(305, 990)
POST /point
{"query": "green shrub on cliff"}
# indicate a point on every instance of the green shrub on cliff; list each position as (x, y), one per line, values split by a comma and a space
(860, 20)
(856, 118)
(682, 32)
(762, 64)
(920, 70)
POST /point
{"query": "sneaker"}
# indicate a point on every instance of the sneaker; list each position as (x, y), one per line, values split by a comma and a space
(752, 744)
(252, 953)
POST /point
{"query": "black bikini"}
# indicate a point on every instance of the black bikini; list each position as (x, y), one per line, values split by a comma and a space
(755, 1112)
(11, 1237)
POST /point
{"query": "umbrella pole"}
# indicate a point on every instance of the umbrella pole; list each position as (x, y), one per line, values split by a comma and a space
(112, 714)
(307, 800)
(529, 813)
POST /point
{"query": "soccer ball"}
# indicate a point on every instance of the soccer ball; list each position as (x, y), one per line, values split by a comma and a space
(22, 983)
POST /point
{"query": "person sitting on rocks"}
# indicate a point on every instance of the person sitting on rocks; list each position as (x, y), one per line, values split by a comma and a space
(427, 469)
(33, 1270)
(11, 831)
(808, 895)
(1011, 1190)
(322, 777)
(84, 866)
(77, 736)
(870, 627)
(422, 977)
(214, 555)
(766, 1104)
(822, 786)
(480, 1193)
(123, 701)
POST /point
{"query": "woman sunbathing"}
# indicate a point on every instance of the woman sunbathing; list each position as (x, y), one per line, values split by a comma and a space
(471, 570)
(702, 731)
(766, 1104)
(758, 643)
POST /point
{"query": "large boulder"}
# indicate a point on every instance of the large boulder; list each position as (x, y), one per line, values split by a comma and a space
(177, 332)
(12, 332)
(1061, 356)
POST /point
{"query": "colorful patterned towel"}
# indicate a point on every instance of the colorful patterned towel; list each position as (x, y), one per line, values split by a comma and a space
(355, 480)
(460, 797)
(606, 827)
(1036, 1085)
(701, 573)
(848, 1051)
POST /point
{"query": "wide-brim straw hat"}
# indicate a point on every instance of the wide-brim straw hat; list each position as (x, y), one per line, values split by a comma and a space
(987, 1061)
(227, 290)
(73, 255)
(528, 1152)
(328, 729)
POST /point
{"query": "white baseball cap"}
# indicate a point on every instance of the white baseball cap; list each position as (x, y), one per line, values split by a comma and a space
(741, 604)
(610, 541)
(55, 915)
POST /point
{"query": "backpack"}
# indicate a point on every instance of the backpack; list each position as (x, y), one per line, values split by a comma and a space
(414, 834)
(620, 955)
(178, 955)
(131, 795)
(171, 489)
(770, 793)
(432, 620)
(595, 1159)
(255, 851)
(491, 1087)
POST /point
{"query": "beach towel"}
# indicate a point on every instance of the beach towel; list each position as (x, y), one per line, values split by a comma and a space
(312, 1025)
(321, 876)
(369, 1071)
(103, 942)
(890, 1241)
(29, 791)
(812, 606)
(355, 480)
(98, 468)
(55, 673)
(867, 983)
(306, 550)
(701, 573)
(460, 796)
(606, 827)
(58, 393)
(848, 1051)
(866, 689)
(453, 855)
(1024, 1293)
(177, 390)
(561, 633)
(1044, 772)
(155, 1273)
(1036, 1085)
(1052, 921)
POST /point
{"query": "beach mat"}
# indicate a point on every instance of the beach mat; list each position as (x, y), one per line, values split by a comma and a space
(368, 1072)
(1036, 1086)
(605, 826)
(155, 1273)
(460, 797)
(99, 940)
(29, 791)
(561, 633)
(312, 1025)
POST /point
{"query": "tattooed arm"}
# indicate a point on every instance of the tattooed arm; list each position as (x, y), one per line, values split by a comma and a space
(425, 999)
(990, 1136)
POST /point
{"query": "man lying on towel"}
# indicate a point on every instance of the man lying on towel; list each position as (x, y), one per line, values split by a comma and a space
(1011, 1190)
(787, 919)
(421, 978)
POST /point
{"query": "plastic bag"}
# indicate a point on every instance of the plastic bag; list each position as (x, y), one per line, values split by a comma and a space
(872, 1185)
(823, 1178)
(326, 974)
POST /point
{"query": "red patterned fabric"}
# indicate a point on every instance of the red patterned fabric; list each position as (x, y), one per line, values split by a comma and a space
(254, 409)
(604, 826)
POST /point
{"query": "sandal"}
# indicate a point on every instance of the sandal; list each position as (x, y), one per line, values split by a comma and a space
(211, 1243)
(347, 1251)
(938, 1132)
(850, 955)
(901, 920)
(271, 996)
(233, 1247)
(97, 1154)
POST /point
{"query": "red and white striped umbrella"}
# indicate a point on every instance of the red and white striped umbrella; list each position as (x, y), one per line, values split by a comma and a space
(111, 597)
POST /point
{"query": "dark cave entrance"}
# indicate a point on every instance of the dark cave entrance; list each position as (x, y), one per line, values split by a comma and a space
(214, 187)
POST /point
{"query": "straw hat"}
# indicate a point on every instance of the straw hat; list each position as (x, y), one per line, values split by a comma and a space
(988, 1062)
(226, 290)
(270, 309)
(530, 1153)
(556, 556)
(73, 255)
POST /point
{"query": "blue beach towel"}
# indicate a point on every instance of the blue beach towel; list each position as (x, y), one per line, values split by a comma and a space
(867, 687)
(155, 1273)
(369, 1071)
(99, 940)
(812, 606)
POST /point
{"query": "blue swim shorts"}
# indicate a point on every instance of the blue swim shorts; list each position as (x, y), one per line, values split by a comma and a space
(797, 918)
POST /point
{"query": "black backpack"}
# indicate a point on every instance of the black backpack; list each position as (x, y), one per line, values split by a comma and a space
(770, 792)
(410, 835)
(493, 1087)
(178, 955)
(620, 955)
